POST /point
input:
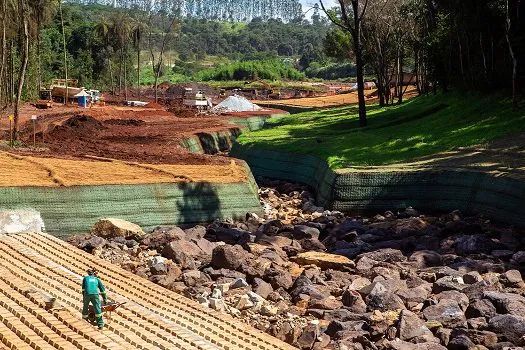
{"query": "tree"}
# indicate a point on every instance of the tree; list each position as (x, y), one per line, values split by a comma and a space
(156, 65)
(139, 28)
(512, 22)
(24, 36)
(350, 19)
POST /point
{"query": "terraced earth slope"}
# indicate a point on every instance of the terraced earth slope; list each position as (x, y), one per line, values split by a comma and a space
(35, 267)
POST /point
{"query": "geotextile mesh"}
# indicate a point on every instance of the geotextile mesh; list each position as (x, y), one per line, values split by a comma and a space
(74, 209)
(443, 189)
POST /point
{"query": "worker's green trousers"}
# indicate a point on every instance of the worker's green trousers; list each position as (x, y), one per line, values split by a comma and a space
(95, 300)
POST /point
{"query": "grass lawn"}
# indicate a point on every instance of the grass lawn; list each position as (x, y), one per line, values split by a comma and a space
(419, 127)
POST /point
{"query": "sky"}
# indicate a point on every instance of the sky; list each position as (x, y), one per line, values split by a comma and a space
(309, 3)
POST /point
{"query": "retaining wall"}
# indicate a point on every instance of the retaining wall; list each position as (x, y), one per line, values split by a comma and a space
(221, 141)
(67, 210)
(432, 188)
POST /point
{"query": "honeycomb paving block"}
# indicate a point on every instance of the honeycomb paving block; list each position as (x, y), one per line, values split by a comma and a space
(36, 266)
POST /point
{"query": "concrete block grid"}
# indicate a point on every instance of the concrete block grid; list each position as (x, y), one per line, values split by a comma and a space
(67, 210)
(36, 266)
(429, 188)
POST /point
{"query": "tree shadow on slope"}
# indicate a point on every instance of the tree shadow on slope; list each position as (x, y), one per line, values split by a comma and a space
(200, 203)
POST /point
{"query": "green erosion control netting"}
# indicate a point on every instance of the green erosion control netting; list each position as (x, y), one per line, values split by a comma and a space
(445, 189)
(221, 141)
(67, 210)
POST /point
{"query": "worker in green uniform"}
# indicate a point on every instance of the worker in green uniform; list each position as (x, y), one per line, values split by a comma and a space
(92, 288)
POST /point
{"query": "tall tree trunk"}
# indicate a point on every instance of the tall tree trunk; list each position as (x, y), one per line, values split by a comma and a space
(462, 69)
(483, 58)
(120, 74)
(3, 57)
(22, 73)
(125, 81)
(138, 69)
(11, 90)
(65, 50)
(358, 51)
(512, 18)
(38, 57)
(401, 79)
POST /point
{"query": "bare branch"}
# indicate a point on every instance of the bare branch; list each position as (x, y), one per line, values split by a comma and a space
(332, 19)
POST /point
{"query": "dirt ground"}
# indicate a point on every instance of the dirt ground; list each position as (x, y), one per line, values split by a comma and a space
(138, 134)
(334, 100)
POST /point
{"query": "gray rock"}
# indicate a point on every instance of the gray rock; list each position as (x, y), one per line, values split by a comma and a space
(485, 338)
(261, 287)
(448, 283)
(425, 258)
(411, 326)
(512, 279)
(403, 345)
(229, 257)
(158, 269)
(507, 303)
(509, 326)
(474, 244)
(472, 277)
(196, 232)
(480, 308)
(460, 298)
(162, 236)
(183, 253)
(92, 243)
(279, 278)
(303, 231)
(447, 312)
(461, 342)
(347, 226)
(239, 283)
(385, 255)
(415, 295)
(518, 258)
(353, 301)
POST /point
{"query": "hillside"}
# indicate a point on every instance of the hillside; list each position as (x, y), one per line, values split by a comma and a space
(420, 127)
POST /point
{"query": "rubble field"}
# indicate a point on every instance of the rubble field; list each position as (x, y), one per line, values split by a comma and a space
(320, 279)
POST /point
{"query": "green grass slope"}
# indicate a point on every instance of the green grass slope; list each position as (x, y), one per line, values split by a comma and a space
(421, 126)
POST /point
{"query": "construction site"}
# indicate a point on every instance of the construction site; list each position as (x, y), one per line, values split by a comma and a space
(196, 254)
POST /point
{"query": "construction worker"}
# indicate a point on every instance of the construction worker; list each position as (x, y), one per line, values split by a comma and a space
(92, 288)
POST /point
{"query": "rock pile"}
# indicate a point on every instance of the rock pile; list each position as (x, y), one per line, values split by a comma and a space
(323, 280)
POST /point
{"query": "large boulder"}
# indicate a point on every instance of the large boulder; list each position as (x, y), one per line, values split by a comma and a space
(411, 326)
(15, 221)
(162, 236)
(112, 227)
(475, 244)
(324, 260)
(509, 326)
(229, 257)
(184, 253)
(507, 303)
(447, 312)
(385, 255)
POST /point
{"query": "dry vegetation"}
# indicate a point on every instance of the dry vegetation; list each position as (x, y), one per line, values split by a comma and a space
(52, 172)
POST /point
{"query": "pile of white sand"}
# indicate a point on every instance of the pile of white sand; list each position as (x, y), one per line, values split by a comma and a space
(235, 103)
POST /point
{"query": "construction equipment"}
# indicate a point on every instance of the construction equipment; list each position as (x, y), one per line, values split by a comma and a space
(108, 308)
(196, 99)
